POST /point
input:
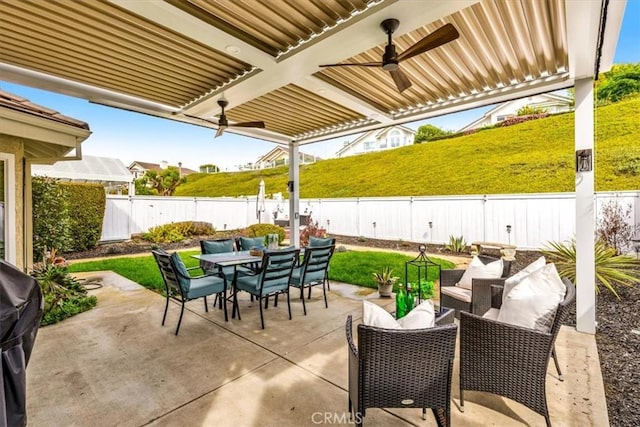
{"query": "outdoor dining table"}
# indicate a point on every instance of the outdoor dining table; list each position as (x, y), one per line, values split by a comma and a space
(229, 259)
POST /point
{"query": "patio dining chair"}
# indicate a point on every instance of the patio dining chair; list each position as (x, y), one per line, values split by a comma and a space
(180, 286)
(510, 360)
(272, 279)
(452, 295)
(400, 368)
(322, 241)
(312, 271)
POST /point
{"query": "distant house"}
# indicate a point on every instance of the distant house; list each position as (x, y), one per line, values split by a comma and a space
(552, 103)
(108, 172)
(279, 156)
(378, 140)
(138, 169)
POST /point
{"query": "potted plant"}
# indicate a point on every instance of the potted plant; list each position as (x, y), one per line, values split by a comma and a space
(385, 281)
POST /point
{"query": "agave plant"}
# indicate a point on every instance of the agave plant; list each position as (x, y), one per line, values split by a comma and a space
(456, 244)
(611, 269)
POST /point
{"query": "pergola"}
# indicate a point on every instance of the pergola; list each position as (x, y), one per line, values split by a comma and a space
(175, 58)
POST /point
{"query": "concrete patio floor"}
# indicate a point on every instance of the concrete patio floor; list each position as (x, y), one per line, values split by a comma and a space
(117, 366)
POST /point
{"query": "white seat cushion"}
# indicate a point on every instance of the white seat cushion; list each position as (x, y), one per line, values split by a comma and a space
(516, 278)
(532, 303)
(478, 270)
(492, 314)
(423, 316)
(457, 292)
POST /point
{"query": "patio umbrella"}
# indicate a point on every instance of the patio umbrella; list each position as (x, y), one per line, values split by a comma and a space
(260, 202)
(21, 306)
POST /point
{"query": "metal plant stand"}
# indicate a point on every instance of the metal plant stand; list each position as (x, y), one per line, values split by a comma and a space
(421, 264)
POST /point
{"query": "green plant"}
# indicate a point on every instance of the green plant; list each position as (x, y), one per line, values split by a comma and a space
(427, 289)
(611, 269)
(456, 244)
(166, 233)
(614, 226)
(385, 276)
(64, 296)
(51, 220)
(258, 230)
(163, 183)
(87, 203)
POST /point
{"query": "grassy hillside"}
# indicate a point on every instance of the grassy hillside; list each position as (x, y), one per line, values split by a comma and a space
(532, 157)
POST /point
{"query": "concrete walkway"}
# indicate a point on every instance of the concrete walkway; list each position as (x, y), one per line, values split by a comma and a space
(117, 366)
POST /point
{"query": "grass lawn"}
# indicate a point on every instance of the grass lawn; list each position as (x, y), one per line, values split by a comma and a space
(355, 267)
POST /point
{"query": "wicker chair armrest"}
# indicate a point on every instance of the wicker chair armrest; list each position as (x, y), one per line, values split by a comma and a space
(484, 293)
(450, 277)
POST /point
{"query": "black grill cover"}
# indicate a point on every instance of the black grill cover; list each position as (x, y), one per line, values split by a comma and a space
(21, 307)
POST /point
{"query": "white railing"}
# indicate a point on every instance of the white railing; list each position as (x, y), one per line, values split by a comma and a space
(535, 219)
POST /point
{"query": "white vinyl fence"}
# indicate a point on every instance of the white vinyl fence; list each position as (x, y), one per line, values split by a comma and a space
(535, 219)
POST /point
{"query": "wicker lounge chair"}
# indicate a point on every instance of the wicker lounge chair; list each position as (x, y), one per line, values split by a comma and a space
(478, 302)
(395, 368)
(509, 360)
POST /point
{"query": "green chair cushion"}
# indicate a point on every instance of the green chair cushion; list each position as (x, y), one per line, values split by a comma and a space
(247, 243)
(215, 247)
(203, 286)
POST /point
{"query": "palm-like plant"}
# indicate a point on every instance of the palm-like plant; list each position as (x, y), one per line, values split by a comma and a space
(611, 269)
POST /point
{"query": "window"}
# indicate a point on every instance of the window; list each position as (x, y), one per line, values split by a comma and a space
(503, 117)
(369, 145)
(395, 136)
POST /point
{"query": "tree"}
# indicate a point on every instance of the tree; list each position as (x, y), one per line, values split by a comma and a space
(209, 168)
(621, 81)
(163, 183)
(428, 133)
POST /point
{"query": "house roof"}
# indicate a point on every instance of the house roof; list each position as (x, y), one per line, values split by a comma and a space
(175, 58)
(103, 170)
(377, 133)
(18, 103)
(156, 167)
(277, 152)
(47, 134)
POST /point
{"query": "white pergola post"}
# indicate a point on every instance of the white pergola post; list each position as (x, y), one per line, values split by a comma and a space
(294, 195)
(585, 212)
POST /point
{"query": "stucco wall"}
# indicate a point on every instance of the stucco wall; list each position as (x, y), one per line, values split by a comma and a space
(15, 146)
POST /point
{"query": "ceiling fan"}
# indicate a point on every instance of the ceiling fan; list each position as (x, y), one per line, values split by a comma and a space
(391, 59)
(223, 123)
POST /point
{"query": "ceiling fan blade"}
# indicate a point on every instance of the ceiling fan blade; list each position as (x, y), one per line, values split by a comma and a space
(442, 35)
(220, 131)
(401, 80)
(249, 125)
(354, 64)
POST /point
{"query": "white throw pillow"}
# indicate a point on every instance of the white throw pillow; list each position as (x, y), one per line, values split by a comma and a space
(478, 270)
(532, 303)
(423, 316)
(517, 278)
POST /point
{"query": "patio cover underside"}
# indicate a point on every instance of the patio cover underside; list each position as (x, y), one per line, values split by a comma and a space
(175, 58)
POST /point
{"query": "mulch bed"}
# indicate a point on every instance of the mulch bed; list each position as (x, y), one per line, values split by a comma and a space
(618, 332)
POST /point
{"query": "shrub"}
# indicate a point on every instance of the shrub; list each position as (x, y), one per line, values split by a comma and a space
(178, 231)
(64, 296)
(456, 244)
(528, 110)
(51, 221)
(87, 204)
(311, 230)
(521, 119)
(614, 227)
(166, 233)
(611, 269)
(258, 230)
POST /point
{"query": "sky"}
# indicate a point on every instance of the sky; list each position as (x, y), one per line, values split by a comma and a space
(132, 136)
